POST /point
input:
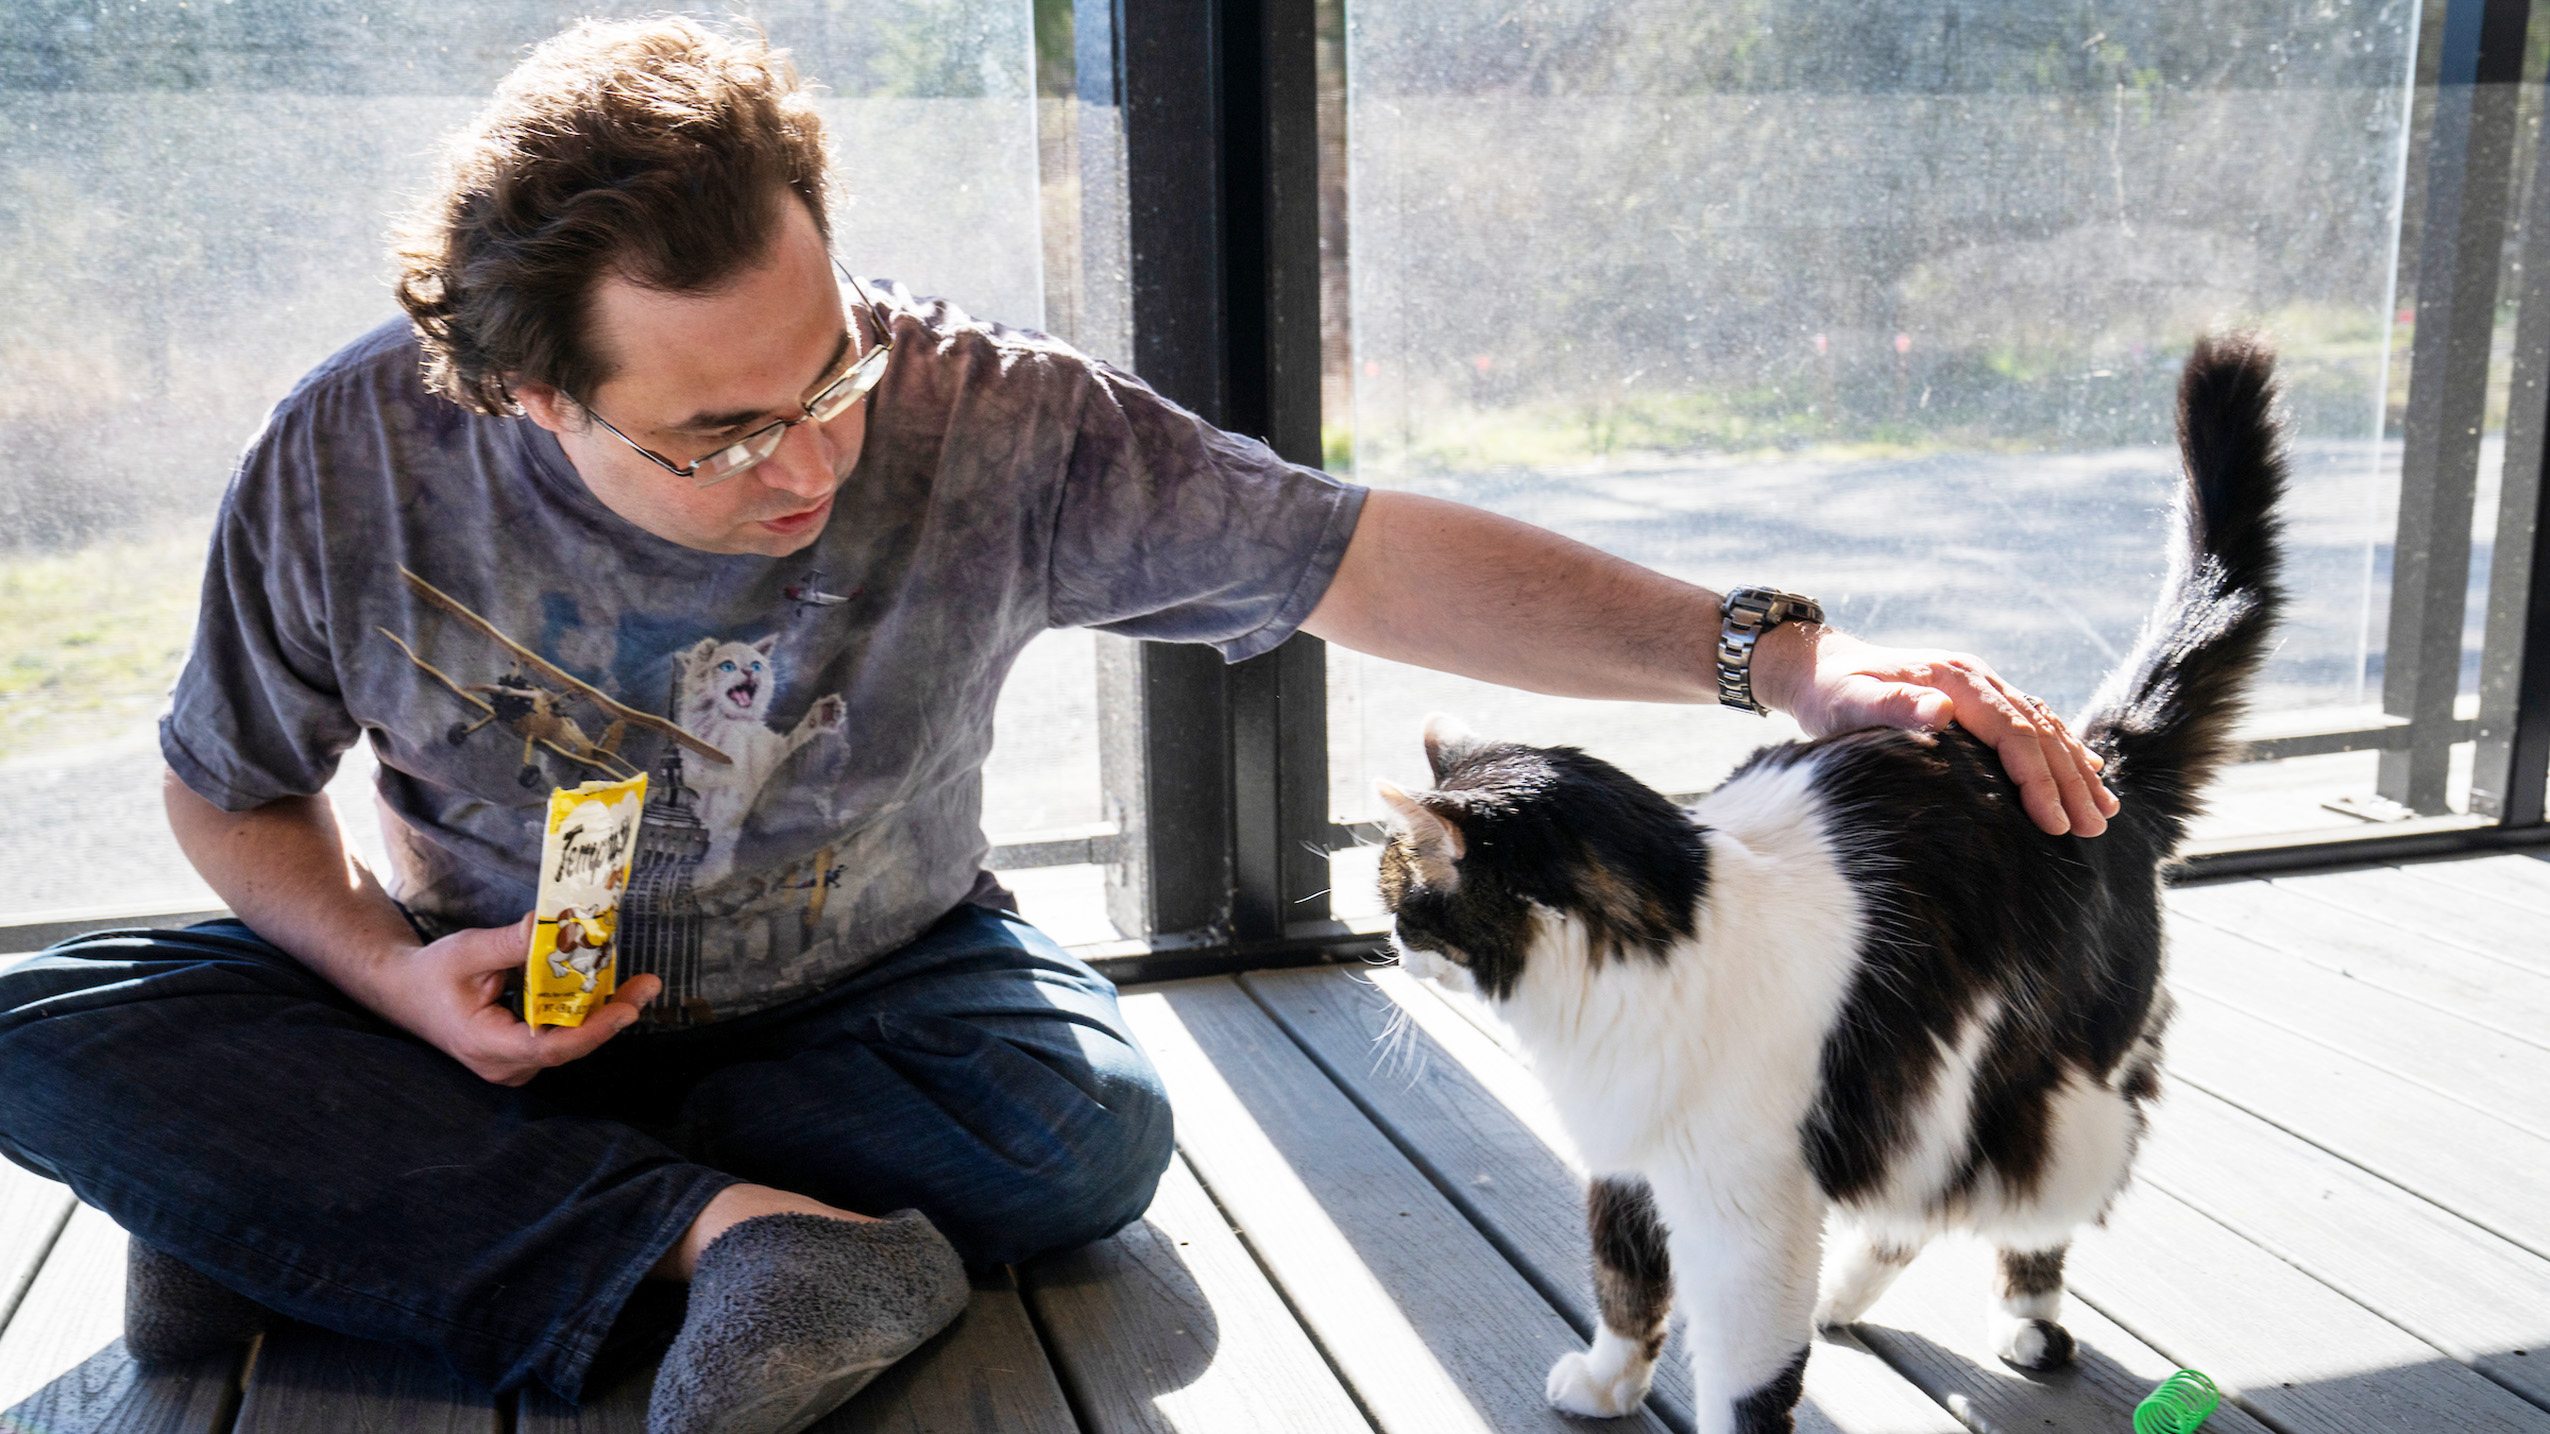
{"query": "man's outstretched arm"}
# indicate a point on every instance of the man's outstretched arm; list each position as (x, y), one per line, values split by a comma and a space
(1461, 590)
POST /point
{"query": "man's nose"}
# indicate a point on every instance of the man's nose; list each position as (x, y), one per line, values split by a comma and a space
(803, 464)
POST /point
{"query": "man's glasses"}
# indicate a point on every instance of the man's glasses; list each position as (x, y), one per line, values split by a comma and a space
(834, 394)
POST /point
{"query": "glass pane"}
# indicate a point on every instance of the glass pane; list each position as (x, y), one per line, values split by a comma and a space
(193, 203)
(1882, 303)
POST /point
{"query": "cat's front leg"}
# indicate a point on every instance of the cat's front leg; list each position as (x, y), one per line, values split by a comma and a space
(1633, 1285)
(827, 715)
(1744, 1252)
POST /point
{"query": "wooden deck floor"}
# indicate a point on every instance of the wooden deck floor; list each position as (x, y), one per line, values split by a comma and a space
(2343, 1216)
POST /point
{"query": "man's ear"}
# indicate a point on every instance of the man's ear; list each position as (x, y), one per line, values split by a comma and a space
(547, 406)
(1447, 741)
(1437, 841)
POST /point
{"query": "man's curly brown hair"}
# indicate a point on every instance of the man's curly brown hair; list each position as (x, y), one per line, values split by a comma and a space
(654, 149)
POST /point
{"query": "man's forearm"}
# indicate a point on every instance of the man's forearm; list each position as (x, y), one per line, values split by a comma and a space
(283, 869)
(1461, 590)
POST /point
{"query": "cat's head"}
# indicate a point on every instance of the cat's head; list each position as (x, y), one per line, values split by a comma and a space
(731, 681)
(1513, 846)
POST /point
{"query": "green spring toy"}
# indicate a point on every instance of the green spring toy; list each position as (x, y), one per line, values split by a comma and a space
(2180, 1404)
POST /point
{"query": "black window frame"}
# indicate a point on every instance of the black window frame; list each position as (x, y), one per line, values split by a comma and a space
(1219, 775)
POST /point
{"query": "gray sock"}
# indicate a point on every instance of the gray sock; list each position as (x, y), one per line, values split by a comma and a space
(174, 1313)
(790, 1315)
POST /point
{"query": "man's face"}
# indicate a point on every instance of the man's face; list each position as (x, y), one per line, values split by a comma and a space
(694, 372)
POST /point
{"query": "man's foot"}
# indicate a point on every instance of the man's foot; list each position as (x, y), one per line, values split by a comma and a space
(791, 1314)
(174, 1313)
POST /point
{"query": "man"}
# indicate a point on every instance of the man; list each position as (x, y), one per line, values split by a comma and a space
(815, 519)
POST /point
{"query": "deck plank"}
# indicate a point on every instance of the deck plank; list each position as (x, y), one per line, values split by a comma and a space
(984, 1374)
(1930, 1326)
(2305, 1358)
(1495, 1162)
(1429, 1325)
(2468, 1162)
(33, 1211)
(1171, 1326)
(73, 1309)
(308, 1380)
(2515, 878)
(110, 1394)
(2470, 1294)
(2459, 1059)
(2509, 998)
(2494, 928)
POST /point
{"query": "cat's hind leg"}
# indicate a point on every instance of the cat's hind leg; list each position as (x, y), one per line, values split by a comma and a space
(1858, 1268)
(1633, 1285)
(2027, 1297)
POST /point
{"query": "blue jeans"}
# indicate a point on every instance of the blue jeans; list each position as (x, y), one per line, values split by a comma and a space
(231, 1107)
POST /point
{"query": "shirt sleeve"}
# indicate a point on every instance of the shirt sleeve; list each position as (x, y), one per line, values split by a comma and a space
(258, 713)
(1171, 529)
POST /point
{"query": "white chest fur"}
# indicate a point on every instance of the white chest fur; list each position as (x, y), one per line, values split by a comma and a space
(1660, 1065)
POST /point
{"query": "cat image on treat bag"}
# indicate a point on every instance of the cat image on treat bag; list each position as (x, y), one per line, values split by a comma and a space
(585, 855)
(1853, 998)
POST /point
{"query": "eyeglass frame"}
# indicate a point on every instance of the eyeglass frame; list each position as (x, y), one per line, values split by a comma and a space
(869, 366)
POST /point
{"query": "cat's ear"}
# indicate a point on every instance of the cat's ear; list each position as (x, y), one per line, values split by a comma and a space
(1447, 741)
(697, 653)
(1436, 839)
(767, 645)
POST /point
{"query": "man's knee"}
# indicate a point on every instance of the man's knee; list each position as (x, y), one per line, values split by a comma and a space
(1104, 1184)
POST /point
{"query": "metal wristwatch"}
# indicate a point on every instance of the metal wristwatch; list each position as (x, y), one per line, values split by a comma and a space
(1749, 613)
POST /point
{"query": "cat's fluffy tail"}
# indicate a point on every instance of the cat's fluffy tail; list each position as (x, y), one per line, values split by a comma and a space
(2165, 718)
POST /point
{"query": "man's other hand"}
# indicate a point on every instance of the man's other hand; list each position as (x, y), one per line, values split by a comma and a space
(451, 993)
(1846, 683)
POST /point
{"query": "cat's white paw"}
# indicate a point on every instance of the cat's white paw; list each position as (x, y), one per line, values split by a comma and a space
(1577, 1387)
(2033, 1344)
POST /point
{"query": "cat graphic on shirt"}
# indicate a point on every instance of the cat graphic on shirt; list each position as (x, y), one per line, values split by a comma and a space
(726, 692)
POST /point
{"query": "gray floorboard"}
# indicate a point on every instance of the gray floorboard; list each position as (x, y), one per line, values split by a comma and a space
(2412, 899)
(1930, 1326)
(2297, 1353)
(2463, 1290)
(2458, 1059)
(109, 1394)
(2462, 1159)
(2506, 997)
(73, 1309)
(1172, 1326)
(313, 1381)
(2514, 878)
(33, 1211)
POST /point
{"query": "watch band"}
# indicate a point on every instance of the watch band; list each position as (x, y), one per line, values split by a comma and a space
(1749, 613)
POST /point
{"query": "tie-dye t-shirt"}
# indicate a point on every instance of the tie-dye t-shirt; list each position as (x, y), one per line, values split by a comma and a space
(1008, 484)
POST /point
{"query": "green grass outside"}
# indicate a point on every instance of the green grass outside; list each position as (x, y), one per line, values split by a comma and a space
(90, 641)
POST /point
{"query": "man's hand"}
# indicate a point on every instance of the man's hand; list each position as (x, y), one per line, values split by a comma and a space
(450, 994)
(1841, 682)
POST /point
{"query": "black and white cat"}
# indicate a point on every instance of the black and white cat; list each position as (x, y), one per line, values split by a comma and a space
(1854, 978)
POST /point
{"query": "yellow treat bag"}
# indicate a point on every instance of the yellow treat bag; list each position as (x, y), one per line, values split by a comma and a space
(584, 868)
